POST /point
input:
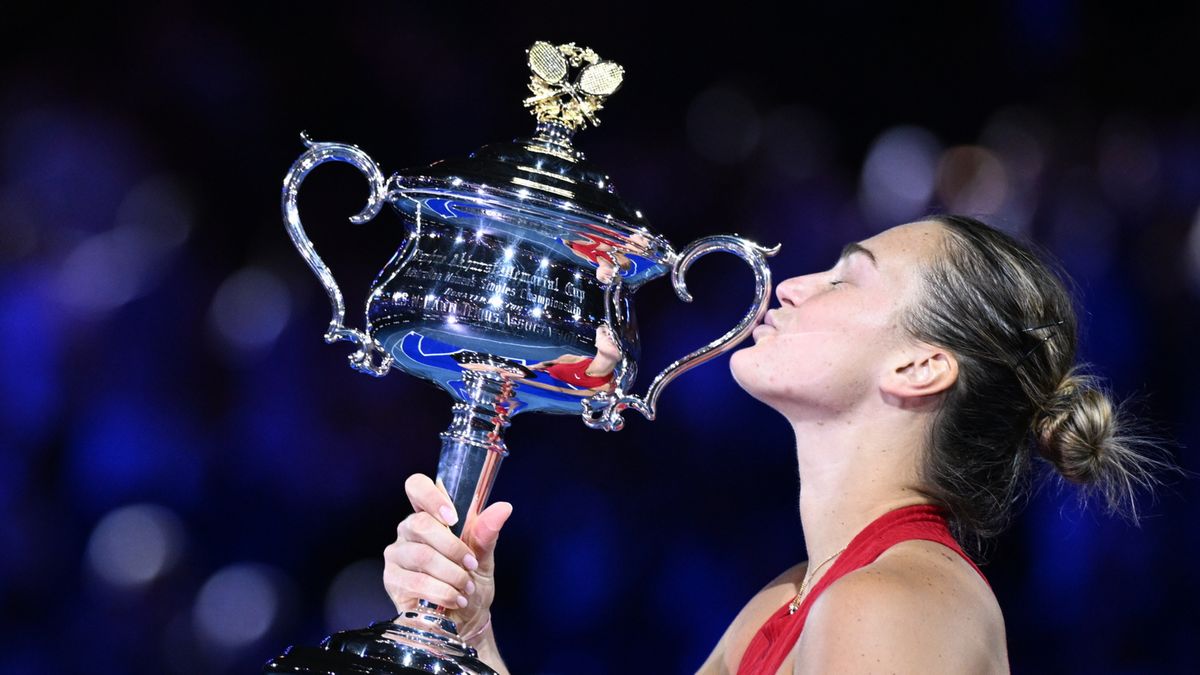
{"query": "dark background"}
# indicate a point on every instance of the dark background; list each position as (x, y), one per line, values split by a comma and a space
(190, 479)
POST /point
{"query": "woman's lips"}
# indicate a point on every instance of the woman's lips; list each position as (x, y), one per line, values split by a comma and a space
(766, 327)
(761, 330)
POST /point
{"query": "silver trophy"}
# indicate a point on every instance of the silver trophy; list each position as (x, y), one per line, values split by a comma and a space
(512, 291)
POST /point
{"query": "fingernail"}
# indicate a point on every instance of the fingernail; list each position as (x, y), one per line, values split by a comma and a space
(449, 517)
(462, 602)
(470, 587)
(470, 563)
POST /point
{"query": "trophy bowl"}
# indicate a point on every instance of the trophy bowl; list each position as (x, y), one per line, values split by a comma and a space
(512, 291)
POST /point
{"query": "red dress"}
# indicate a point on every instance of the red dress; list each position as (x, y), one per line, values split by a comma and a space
(777, 637)
(576, 374)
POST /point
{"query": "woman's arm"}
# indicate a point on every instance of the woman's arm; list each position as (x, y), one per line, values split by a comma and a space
(489, 653)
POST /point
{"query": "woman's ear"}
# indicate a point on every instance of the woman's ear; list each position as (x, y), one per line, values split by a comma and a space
(919, 371)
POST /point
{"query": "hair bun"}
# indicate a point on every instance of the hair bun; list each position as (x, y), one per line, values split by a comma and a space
(1077, 428)
(1090, 442)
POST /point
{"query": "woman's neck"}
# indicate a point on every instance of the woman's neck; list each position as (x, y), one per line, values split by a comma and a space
(851, 473)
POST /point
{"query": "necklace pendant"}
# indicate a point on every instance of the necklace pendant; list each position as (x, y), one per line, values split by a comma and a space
(794, 605)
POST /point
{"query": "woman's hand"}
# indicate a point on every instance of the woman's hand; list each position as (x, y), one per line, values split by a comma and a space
(427, 562)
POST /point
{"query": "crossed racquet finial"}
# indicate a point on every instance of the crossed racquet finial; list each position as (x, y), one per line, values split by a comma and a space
(558, 98)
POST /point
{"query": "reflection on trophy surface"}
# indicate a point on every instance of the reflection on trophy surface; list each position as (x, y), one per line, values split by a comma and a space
(512, 290)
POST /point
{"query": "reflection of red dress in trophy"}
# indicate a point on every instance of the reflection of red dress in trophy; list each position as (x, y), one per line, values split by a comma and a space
(589, 248)
(576, 374)
(594, 247)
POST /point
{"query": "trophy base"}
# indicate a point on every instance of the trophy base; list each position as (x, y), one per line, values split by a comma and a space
(413, 642)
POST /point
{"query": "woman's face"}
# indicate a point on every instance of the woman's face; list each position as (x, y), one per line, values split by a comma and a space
(837, 332)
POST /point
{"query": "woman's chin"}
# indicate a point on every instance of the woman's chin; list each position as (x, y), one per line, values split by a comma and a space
(747, 369)
(756, 370)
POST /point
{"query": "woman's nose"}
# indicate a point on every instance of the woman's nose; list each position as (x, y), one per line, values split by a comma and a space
(791, 291)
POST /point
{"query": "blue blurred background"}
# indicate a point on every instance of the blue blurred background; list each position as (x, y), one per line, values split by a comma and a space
(190, 479)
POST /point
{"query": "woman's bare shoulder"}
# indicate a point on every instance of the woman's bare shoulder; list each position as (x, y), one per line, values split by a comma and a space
(919, 607)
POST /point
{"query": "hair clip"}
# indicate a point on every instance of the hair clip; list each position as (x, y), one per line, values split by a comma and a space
(1051, 325)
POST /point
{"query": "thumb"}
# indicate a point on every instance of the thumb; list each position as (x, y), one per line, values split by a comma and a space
(485, 532)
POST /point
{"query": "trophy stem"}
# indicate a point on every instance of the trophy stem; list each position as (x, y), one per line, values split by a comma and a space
(425, 640)
(473, 447)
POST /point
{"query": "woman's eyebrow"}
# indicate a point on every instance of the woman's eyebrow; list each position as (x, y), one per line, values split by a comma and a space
(855, 247)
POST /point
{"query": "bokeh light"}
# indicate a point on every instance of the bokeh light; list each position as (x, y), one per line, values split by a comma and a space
(108, 269)
(971, 180)
(356, 596)
(1191, 254)
(250, 310)
(134, 545)
(104, 271)
(898, 175)
(1019, 136)
(238, 606)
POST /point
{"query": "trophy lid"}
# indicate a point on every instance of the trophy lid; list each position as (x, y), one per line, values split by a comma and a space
(546, 171)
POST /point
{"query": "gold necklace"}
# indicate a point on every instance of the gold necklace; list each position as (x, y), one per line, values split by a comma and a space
(795, 604)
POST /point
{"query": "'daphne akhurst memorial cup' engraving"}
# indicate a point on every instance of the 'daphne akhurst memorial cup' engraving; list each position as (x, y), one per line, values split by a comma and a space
(512, 290)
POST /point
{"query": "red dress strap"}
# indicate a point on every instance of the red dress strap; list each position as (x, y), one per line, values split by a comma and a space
(777, 637)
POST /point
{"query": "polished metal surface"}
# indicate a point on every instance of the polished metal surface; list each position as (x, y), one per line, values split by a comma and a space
(413, 642)
(497, 272)
(512, 291)
(369, 359)
(603, 410)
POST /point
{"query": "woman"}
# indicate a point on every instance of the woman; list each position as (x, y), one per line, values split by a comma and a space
(592, 373)
(919, 375)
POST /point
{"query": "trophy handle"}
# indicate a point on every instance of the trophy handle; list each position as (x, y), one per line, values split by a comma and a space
(370, 358)
(603, 410)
